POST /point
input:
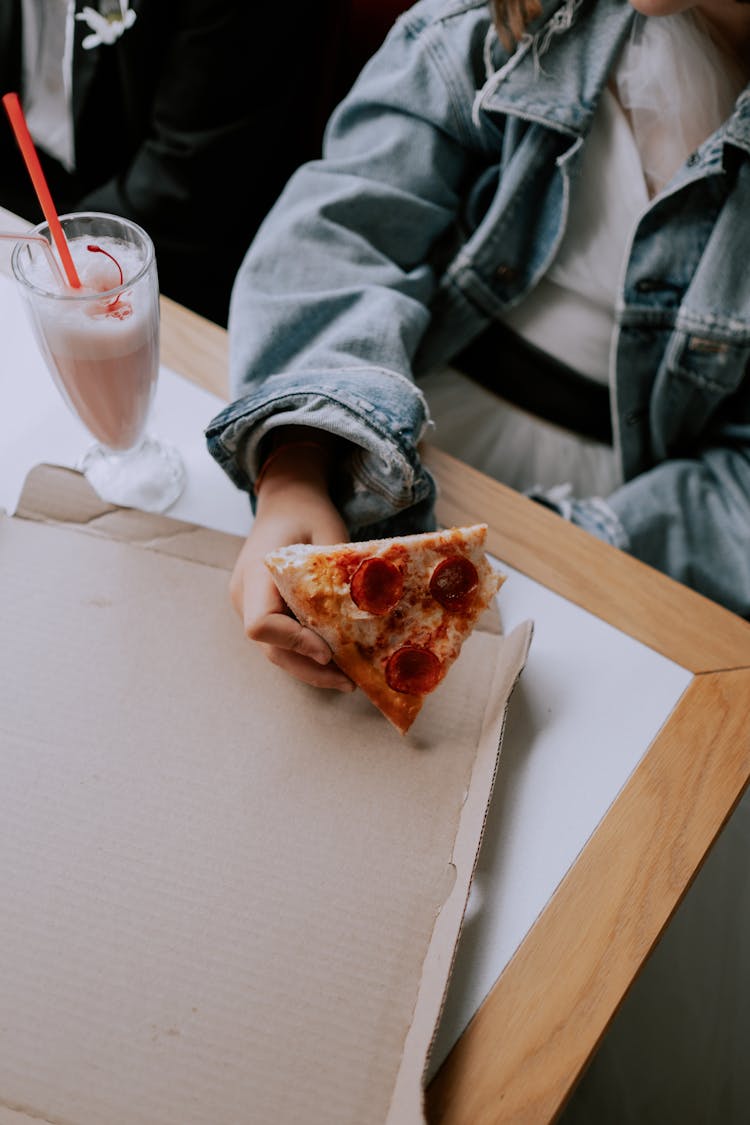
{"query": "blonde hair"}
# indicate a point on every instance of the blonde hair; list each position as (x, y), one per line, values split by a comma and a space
(512, 17)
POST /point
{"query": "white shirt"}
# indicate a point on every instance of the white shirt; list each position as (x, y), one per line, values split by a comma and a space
(570, 314)
(571, 311)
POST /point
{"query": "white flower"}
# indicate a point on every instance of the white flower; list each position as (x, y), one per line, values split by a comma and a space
(107, 26)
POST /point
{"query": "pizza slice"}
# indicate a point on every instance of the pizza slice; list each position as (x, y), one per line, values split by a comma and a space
(395, 612)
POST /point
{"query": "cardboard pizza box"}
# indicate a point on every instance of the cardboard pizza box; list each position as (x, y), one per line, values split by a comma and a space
(226, 897)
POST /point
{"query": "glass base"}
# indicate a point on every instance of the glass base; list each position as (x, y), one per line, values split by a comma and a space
(149, 477)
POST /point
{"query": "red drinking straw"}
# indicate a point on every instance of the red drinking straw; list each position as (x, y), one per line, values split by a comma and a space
(31, 159)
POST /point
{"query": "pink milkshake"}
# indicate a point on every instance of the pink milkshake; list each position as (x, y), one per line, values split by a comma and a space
(101, 345)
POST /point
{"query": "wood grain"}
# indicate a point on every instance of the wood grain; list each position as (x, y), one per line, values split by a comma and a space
(520, 1056)
(195, 347)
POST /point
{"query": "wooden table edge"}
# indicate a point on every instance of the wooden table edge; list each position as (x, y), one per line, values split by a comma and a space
(526, 1046)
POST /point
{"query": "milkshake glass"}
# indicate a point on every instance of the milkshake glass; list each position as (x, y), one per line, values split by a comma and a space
(101, 346)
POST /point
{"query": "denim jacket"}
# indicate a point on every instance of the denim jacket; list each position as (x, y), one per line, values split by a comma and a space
(440, 202)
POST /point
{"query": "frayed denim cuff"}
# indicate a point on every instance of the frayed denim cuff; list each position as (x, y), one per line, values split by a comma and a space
(593, 513)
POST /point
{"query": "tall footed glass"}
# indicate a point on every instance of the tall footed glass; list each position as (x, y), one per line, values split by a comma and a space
(101, 345)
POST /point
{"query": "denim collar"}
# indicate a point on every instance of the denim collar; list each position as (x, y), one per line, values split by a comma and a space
(577, 67)
(556, 78)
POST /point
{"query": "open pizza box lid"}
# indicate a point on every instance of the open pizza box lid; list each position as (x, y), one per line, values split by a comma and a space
(227, 897)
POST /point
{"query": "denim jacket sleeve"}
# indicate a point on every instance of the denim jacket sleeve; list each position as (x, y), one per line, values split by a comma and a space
(691, 519)
(332, 299)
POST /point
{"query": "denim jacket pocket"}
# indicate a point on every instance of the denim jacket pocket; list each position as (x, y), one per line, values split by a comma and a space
(698, 373)
(712, 365)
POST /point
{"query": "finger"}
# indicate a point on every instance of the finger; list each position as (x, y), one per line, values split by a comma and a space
(266, 619)
(253, 592)
(252, 597)
(308, 672)
(281, 631)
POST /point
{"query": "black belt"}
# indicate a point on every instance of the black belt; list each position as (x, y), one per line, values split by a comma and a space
(531, 379)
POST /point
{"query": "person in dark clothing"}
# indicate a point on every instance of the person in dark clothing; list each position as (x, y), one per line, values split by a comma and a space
(181, 117)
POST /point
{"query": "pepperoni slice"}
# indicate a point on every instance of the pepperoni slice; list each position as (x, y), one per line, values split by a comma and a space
(454, 582)
(376, 585)
(413, 670)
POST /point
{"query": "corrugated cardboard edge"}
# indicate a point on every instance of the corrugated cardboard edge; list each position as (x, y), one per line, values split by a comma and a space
(55, 495)
(407, 1103)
